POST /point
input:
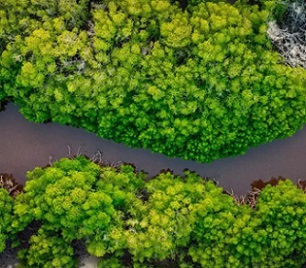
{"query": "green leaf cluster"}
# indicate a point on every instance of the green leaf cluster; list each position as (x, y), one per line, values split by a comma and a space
(47, 249)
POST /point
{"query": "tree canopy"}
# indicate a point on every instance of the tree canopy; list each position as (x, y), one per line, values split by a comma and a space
(199, 83)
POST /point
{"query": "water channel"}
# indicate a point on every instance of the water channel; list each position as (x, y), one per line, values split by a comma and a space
(25, 145)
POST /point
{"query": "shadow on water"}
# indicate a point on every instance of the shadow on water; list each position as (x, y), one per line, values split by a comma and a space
(25, 145)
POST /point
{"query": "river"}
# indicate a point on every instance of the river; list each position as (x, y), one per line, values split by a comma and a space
(25, 145)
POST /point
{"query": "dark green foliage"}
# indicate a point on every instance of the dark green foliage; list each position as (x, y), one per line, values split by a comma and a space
(6, 216)
(198, 84)
(47, 249)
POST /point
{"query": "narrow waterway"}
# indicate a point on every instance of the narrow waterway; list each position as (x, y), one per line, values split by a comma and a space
(25, 145)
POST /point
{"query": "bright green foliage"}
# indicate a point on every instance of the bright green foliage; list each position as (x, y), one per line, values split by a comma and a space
(184, 221)
(165, 223)
(197, 2)
(63, 198)
(36, 65)
(23, 19)
(201, 83)
(214, 237)
(57, 194)
(122, 185)
(47, 249)
(272, 235)
(80, 200)
(278, 231)
(110, 263)
(6, 216)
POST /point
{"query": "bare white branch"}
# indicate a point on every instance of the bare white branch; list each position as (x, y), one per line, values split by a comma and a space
(290, 38)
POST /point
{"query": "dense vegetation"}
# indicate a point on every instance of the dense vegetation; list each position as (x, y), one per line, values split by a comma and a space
(6, 218)
(197, 83)
(130, 221)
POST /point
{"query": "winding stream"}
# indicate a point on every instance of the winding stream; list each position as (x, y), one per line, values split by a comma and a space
(25, 145)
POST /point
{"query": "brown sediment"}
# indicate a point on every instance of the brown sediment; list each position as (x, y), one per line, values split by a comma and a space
(257, 186)
(302, 184)
(8, 182)
(260, 184)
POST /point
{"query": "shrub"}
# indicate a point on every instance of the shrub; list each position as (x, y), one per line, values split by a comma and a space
(76, 200)
(162, 228)
(270, 235)
(278, 231)
(218, 224)
(23, 21)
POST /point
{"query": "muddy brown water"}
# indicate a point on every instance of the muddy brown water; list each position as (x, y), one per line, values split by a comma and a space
(25, 145)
